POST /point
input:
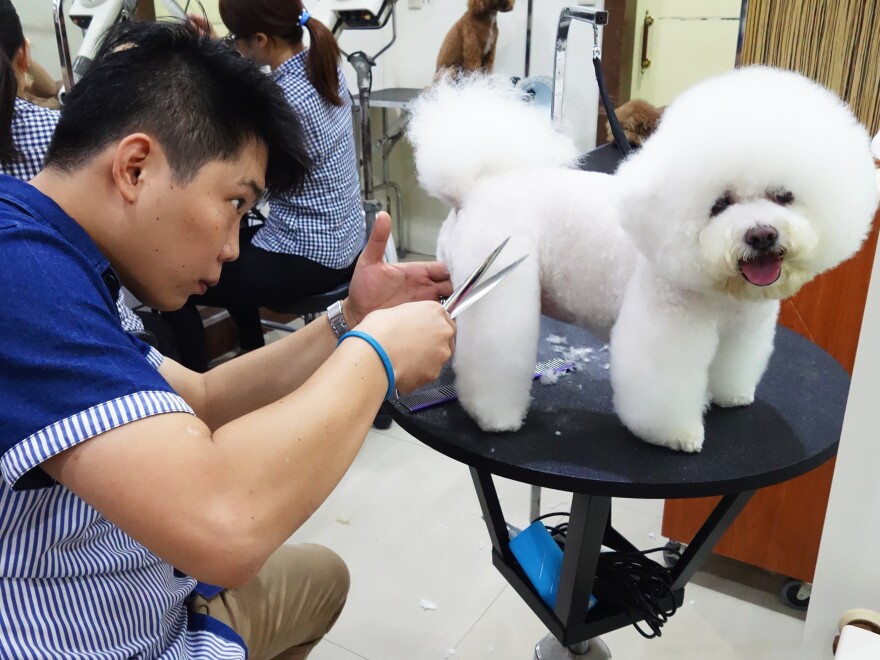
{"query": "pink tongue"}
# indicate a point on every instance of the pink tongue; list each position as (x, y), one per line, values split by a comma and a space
(762, 271)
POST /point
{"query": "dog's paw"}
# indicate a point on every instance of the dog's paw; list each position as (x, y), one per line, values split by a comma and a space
(497, 421)
(687, 440)
(732, 400)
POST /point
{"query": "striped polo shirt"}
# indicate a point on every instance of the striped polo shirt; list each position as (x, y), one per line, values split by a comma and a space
(72, 584)
(324, 221)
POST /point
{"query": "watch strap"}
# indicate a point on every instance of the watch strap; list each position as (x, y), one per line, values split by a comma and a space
(337, 320)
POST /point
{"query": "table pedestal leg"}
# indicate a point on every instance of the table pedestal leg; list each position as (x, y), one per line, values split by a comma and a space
(708, 535)
(592, 649)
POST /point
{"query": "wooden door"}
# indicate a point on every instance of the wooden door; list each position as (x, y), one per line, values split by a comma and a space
(780, 528)
(685, 41)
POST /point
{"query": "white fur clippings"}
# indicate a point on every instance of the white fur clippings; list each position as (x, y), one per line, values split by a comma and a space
(754, 183)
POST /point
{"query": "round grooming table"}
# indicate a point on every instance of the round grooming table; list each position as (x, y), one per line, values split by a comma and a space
(573, 441)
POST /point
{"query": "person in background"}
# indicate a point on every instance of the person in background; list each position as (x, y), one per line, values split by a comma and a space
(26, 127)
(129, 484)
(42, 89)
(310, 238)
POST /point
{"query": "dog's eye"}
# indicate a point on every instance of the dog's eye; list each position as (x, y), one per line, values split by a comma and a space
(781, 197)
(721, 204)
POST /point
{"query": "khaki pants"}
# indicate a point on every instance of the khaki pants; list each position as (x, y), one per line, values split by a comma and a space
(288, 607)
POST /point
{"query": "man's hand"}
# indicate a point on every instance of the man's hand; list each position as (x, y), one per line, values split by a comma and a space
(379, 285)
(419, 339)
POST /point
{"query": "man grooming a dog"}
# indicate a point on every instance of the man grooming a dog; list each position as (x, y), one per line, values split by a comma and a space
(125, 477)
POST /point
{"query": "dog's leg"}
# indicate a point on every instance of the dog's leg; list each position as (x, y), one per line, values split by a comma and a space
(744, 349)
(489, 59)
(661, 349)
(497, 342)
(472, 48)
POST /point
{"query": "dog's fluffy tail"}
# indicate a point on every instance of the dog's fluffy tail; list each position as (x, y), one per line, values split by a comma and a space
(467, 128)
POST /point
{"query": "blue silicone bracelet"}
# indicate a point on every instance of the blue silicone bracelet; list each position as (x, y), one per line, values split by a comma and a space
(386, 362)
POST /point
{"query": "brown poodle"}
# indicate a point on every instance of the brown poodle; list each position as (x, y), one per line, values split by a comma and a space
(638, 119)
(470, 44)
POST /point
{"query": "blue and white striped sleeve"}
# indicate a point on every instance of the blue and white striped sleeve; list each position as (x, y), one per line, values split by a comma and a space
(70, 371)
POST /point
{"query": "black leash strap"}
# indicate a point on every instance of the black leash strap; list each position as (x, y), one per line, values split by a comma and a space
(619, 137)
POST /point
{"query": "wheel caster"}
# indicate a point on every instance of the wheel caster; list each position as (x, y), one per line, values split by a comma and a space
(672, 553)
(796, 594)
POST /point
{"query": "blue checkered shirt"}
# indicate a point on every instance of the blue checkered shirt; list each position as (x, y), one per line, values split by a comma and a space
(324, 221)
(32, 129)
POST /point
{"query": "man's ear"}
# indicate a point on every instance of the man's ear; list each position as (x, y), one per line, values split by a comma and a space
(131, 156)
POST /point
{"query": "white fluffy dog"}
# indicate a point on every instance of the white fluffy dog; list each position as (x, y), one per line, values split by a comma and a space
(754, 183)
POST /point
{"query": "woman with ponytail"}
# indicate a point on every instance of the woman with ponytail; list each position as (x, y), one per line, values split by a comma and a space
(25, 128)
(310, 240)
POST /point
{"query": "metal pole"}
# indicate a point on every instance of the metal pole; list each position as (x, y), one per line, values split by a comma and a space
(528, 38)
(566, 16)
(63, 44)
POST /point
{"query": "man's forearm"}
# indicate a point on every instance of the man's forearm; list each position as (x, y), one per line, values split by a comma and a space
(258, 378)
(43, 86)
(251, 483)
(289, 457)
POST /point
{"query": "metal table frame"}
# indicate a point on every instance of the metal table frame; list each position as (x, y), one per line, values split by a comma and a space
(589, 529)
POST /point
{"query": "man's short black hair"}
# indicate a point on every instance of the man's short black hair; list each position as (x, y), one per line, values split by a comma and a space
(197, 97)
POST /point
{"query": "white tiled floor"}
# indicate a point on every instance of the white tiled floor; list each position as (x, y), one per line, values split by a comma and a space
(407, 521)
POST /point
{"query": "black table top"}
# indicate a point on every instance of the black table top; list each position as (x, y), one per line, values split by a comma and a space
(604, 158)
(572, 439)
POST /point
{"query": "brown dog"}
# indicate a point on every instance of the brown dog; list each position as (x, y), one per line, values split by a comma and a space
(638, 119)
(470, 44)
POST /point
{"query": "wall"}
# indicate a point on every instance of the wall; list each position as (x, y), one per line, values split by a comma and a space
(36, 21)
(847, 571)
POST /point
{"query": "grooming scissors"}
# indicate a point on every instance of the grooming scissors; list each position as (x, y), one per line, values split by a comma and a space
(471, 290)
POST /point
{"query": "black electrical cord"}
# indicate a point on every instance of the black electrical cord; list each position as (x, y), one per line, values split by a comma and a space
(638, 585)
(557, 532)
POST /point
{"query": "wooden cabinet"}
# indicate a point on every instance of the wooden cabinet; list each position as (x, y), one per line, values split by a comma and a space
(780, 528)
(686, 41)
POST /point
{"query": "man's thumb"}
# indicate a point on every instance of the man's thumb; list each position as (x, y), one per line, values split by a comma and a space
(375, 248)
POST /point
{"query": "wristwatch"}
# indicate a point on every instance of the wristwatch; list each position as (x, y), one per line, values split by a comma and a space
(337, 320)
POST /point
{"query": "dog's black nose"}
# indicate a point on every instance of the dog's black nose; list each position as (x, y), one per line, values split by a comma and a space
(762, 238)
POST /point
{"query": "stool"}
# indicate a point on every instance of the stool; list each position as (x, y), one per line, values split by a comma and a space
(309, 308)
